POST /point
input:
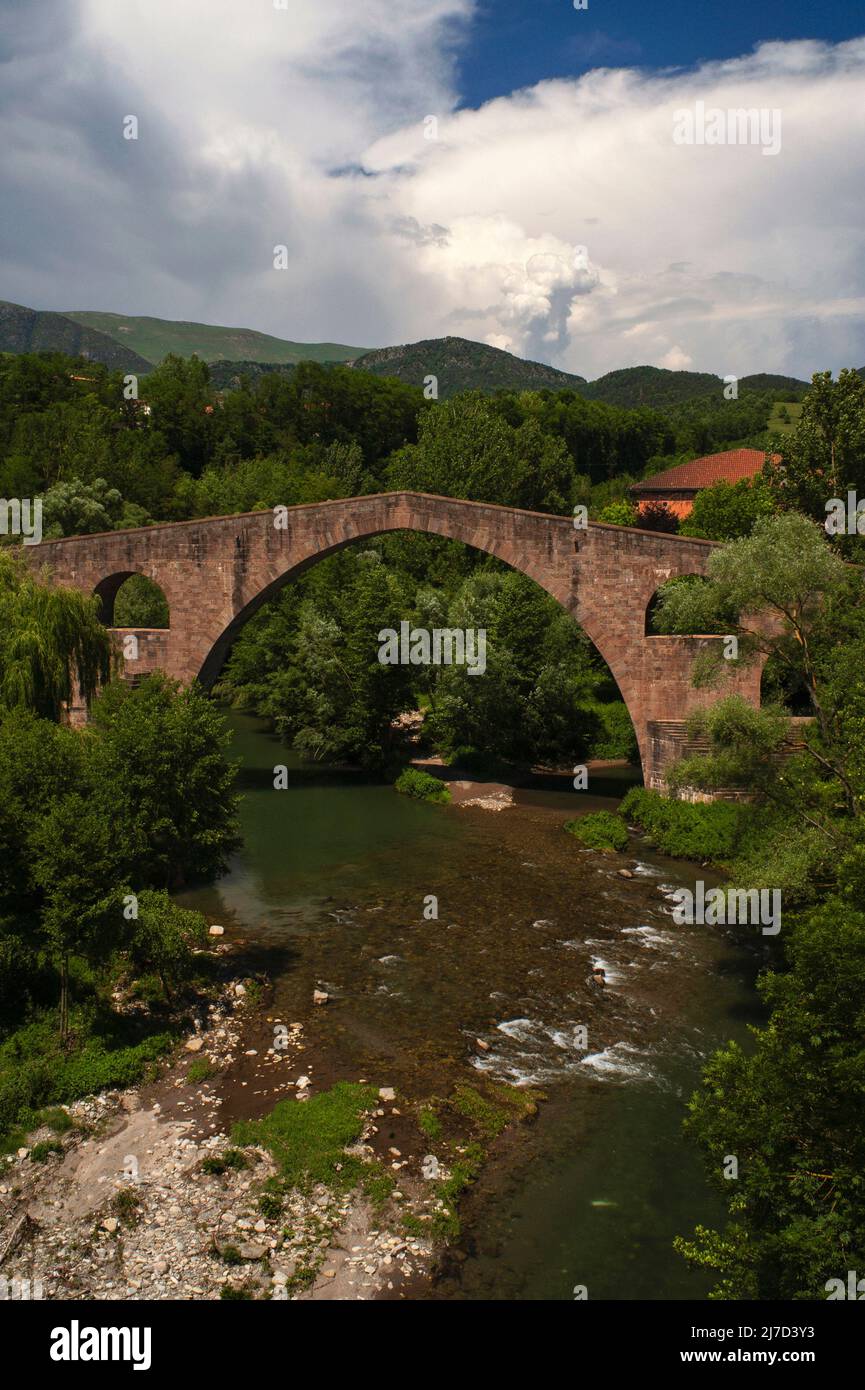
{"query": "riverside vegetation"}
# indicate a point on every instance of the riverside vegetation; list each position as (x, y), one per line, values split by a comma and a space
(142, 800)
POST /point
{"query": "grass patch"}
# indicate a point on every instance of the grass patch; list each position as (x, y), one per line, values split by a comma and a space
(201, 1069)
(600, 830)
(126, 1206)
(377, 1183)
(230, 1255)
(488, 1119)
(413, 782)
(40, 1152)
(56, 1119)
(308, 1141)
(523, 1100)
(217, 1164)
(429, 1123)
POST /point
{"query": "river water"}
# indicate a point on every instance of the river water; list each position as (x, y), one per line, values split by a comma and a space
(332, 887)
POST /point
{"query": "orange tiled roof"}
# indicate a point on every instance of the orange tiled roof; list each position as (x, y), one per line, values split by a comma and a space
(728, 467)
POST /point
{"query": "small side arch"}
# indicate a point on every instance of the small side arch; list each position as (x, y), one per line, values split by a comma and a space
(131, 599)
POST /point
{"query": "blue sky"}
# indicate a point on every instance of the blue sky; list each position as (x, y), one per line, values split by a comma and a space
(515, 43)
(500, 170)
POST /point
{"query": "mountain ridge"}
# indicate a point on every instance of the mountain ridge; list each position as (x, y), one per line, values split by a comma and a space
(119, 341)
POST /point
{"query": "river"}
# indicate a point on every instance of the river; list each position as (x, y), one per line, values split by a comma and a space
(332, 886)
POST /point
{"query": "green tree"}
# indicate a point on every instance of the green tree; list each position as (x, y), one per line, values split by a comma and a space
(182, 409)
(791, 1113)
(467, 449)
(76, 864)
(825, 454)
(163, 938)
(621, 513)
(51, 641)
(727, 511)
(75, 508)
(162, 778)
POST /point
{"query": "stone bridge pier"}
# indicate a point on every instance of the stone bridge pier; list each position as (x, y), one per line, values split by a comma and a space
(217, 573)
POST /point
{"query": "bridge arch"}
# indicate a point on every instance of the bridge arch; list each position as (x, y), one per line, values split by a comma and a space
(216, 657)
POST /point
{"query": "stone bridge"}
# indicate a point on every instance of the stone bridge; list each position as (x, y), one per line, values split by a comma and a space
(217, 573)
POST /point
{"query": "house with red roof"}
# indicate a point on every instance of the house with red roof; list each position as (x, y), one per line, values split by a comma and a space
(677, 487)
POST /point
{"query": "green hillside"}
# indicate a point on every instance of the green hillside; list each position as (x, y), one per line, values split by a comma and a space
(461, 365)
(36, 330)
(155, 338)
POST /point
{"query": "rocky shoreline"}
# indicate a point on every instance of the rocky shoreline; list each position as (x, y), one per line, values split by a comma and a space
(144, 1196)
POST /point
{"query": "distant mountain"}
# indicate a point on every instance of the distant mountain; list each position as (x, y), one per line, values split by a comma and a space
(35, 330)
(662, 389)
(135, 344)
(155, 338)
(461, 365)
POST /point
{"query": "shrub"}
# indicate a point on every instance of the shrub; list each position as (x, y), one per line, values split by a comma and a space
(616, 738)
(270, 1205)
(413, 782)
(600, 830)
(713, 830)
(35, 1073)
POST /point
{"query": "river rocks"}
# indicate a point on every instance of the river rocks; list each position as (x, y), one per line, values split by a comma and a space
(248, 1251)
(320, 996)
(194, 1044)
(216, 931)
(386, 1093)
(625, 873)
(481, 1045)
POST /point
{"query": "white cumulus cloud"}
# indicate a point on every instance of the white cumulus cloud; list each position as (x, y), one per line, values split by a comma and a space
(563, 221)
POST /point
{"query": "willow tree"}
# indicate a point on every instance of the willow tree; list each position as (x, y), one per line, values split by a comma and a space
(52, 643)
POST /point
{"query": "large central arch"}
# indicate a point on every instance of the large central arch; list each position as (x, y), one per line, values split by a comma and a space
(217, 573)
